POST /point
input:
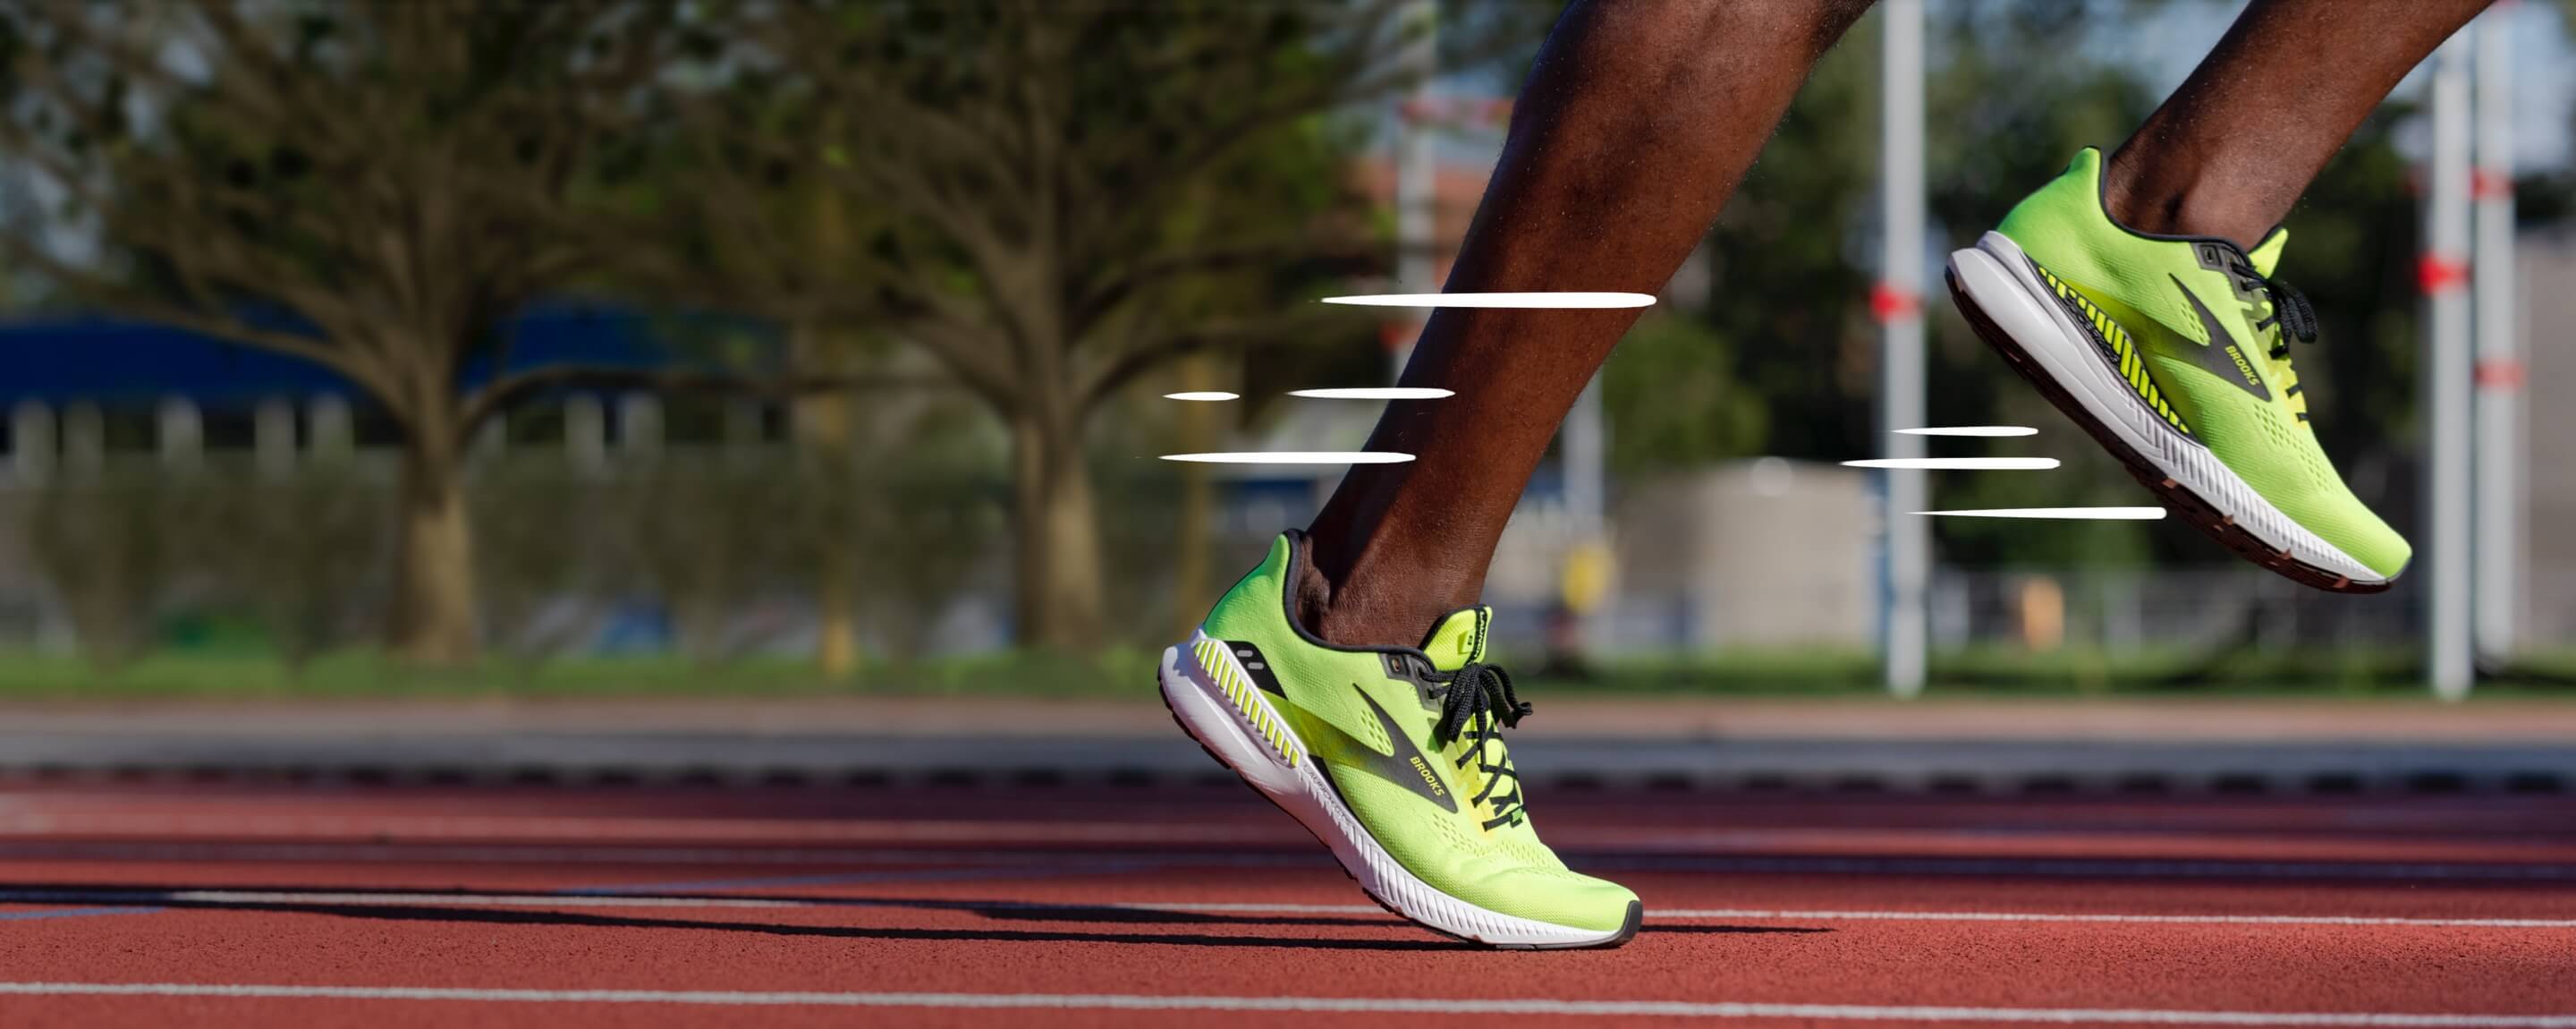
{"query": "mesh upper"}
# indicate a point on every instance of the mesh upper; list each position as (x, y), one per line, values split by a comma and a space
(2132, 278)
(1506, 869)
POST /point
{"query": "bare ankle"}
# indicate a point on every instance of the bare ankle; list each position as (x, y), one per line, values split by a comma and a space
(2172, 201)
(1354, 615)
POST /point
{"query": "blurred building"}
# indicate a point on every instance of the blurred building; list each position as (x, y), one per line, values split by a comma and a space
(1768, 552)
(2548, 294)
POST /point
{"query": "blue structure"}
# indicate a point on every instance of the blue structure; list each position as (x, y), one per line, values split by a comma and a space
(110, 361)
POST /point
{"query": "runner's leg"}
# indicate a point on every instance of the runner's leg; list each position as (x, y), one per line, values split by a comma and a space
(1636, 122)
(2236, 145)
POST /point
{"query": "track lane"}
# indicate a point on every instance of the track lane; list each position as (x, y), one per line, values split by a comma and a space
(996, 912)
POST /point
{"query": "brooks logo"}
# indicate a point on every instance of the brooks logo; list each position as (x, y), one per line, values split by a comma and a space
(1428, 779)
(2235, 368)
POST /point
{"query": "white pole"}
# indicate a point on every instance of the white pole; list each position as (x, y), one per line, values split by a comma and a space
(1898, 302)
(1416, 172)
(272, 437)
(2499, 367)
(1585, 441)
(585, 424)
(2450, 667)
(182, 440)
(31, 430)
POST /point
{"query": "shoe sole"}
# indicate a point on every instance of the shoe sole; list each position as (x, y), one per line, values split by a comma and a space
(1240, 729)
(2004, 301)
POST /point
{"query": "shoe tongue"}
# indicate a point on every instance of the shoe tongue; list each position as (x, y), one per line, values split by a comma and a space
(1459, 638)
(2267, 254)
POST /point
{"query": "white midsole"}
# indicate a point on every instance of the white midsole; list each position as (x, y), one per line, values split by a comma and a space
(1996, 275)
(1297, 784)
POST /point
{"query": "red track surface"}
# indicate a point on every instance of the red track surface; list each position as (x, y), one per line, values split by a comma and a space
(1138, 895)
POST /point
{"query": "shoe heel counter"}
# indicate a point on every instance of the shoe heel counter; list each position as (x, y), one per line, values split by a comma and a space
(1256, 606)
(2051, 222)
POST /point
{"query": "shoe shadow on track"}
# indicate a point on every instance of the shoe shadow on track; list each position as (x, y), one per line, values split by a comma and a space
(430, 909)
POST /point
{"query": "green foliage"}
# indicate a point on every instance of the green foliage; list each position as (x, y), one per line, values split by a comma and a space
(1790, 293)
(1673, 400)
(2015, 93)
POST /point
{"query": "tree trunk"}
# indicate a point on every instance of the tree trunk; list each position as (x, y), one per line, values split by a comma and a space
(434, 622)
(1192, 540)
(1057, 532)
(823, 426)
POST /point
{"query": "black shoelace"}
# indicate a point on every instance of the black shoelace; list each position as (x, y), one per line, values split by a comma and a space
(2290, 310)
(1479, 701)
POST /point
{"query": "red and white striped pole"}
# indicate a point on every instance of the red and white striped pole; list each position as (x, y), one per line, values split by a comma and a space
(1897, 301)
(1416, 175)
(2450, 666)
(2498, 377)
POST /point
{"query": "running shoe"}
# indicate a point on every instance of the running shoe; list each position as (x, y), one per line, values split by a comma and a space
(2174, 352)
(1392, 757)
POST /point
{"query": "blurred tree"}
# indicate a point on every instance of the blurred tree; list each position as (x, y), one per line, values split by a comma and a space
(1674, 400)
(2014, 90)
(1052, 200)
(373, 186)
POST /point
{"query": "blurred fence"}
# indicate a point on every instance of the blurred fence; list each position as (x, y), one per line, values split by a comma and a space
(709, 551)
(716, 550)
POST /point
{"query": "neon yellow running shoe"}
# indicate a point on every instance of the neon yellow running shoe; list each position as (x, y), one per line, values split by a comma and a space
(1391, 756)
(2173, 351)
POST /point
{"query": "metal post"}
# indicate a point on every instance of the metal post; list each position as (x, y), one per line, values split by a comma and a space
(32, 444)
(1584, 438)
(2450, 667)
(585, 424)
(1417, 229)
(335, 428)
(639, 425)
(272, 437)
(1588, 560)
(2498, 607)
(84, 439)
(182, 436)
(1899, 304)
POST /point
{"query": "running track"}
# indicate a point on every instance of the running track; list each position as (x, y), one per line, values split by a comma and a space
(214, 904)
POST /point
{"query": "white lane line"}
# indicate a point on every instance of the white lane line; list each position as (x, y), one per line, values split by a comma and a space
(1970, 430)
(797, 857)
(251, 897)
(1375, 393)
(1959, 464)
(30, 916)
(1205, 395)
(1280, 909)
(615, 854)
(1565, 299)
(1459, 1005)
(1654, 915)
(2106, 514)
(2034, 916)
(772, 882)
(504, 900)
(595, 900)
(1294, 457)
